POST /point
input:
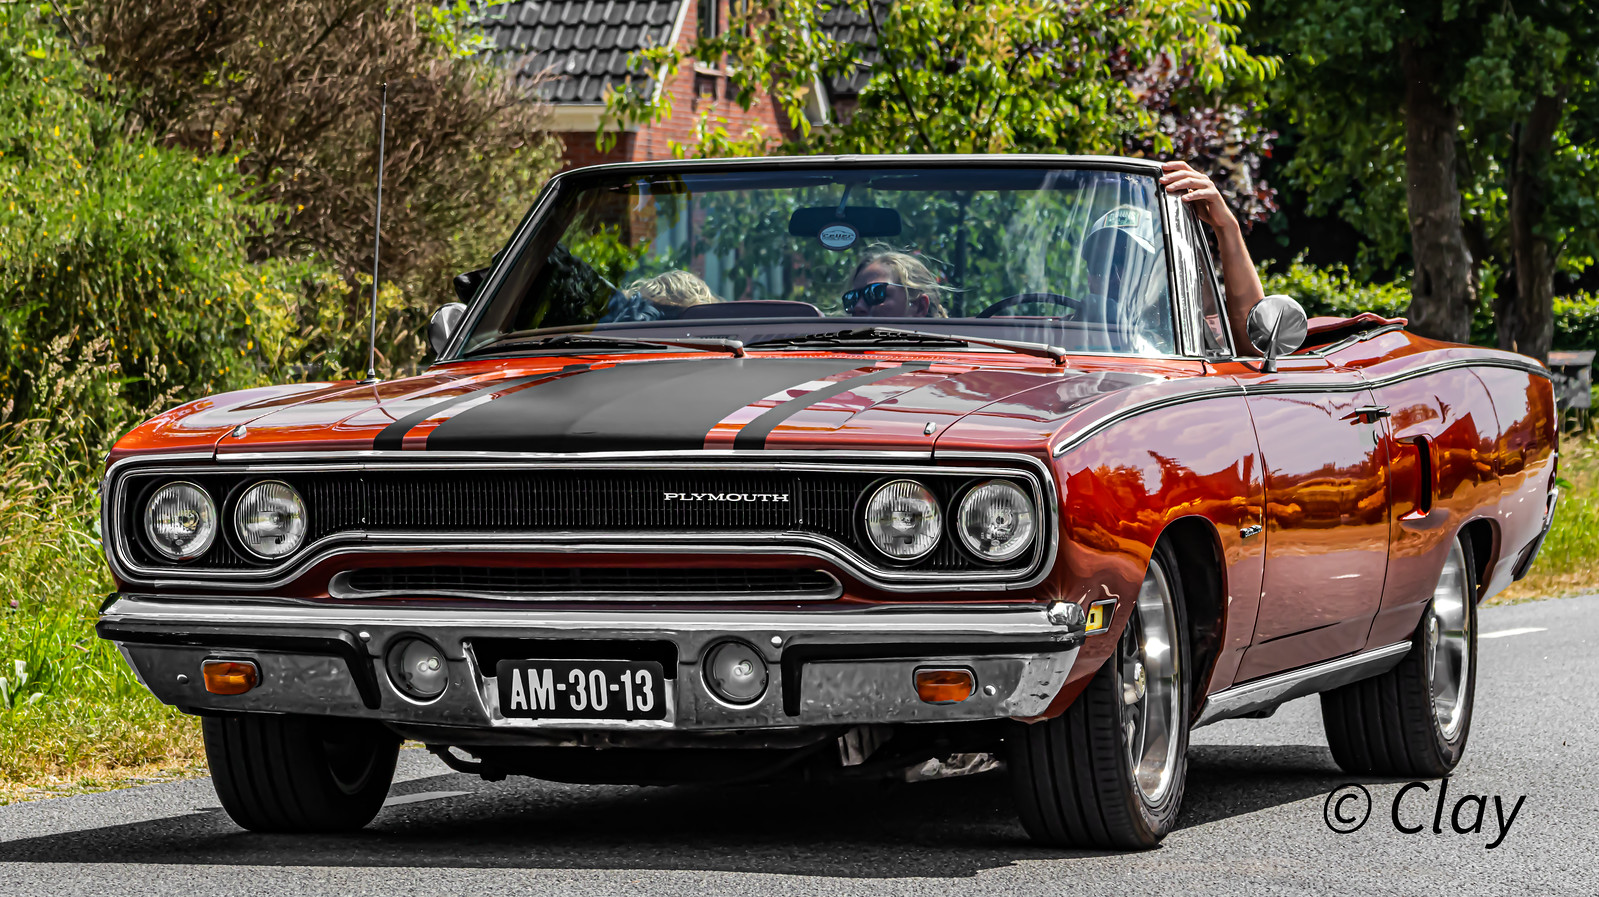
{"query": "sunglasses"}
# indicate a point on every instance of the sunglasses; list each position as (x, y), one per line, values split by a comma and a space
(873, 294)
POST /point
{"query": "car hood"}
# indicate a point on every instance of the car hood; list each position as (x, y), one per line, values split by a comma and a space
(825, 402)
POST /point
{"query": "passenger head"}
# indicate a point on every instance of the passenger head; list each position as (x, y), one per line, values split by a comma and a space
(1120, 244)
(673, 291)
(888, 283)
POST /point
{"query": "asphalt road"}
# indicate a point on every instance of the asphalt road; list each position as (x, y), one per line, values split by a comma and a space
(1253, 821)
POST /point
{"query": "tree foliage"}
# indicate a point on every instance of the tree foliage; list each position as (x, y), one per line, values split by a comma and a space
(1517, 78)
(1091, 76)
(122, 262)
(288, 93)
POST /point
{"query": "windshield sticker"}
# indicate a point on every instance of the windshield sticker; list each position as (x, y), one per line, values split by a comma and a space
(838, 236)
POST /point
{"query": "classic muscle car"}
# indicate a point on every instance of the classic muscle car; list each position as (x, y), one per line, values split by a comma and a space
(732, 469)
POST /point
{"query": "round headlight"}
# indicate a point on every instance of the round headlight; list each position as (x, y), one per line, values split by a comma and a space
(417, 668)
(270, 519)
(903, 520)
(996, 520)
(181, 521)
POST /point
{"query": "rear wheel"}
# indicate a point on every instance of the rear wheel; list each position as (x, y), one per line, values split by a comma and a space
(1413, 720)
(299, 774)
(1110, 771)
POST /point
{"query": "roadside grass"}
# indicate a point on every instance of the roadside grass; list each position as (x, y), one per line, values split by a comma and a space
(72, 716)
(1568, 563)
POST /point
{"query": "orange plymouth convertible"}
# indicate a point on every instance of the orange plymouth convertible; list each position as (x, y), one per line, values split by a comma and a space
(835, 466)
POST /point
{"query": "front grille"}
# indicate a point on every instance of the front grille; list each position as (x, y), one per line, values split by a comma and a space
(579, 583)
(531, 501)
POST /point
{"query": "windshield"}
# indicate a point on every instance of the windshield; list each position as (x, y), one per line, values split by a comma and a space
(1073, 258)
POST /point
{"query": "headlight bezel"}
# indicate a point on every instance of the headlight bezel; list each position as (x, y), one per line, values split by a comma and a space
(146, 524)
(958, 520)
(238, 507)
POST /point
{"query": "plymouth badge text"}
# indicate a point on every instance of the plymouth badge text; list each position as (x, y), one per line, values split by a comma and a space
(725, 496)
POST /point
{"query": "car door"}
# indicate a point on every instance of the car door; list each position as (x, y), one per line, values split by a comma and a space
(1326, 528)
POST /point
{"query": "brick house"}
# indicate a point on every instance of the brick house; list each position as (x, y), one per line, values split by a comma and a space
(580, 48)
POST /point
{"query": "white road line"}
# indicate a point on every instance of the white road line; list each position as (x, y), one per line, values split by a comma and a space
(422, 796)
(1504, 632)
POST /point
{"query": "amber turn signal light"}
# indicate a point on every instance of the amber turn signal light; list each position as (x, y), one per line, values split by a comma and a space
(945, 686)
(230, 677)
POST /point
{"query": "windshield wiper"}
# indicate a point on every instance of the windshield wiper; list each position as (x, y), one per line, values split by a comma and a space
(569, 339)
(897, 336)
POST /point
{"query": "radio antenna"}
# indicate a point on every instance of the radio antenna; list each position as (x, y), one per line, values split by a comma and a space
(377, 245)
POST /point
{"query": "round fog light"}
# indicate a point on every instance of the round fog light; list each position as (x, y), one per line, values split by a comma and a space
(735, 673)
(418, 669)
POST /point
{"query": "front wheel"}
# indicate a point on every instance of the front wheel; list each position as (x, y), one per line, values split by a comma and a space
(1412, 721)
(299, 774)
(1110, 771)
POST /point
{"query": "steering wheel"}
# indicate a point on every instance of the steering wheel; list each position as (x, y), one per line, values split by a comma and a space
(1045, 298)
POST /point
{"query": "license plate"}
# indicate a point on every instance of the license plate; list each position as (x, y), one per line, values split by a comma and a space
(581, 689)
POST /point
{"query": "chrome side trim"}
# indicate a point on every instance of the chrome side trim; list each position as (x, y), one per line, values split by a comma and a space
(1233, 388)
(1026, 467)
(340, 587)
(1263, 694)
(1221, 390)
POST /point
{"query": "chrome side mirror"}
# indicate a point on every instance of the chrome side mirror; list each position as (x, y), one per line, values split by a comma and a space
(444, 322)
(1277, 326)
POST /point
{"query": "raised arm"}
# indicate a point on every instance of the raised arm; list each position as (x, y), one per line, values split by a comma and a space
(1238, 270)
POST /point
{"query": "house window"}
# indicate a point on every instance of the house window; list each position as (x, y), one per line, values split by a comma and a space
(710, 18)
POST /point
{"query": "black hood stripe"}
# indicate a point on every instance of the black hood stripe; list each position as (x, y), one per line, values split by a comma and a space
(392, 437)
(646, 406)
(754, 433)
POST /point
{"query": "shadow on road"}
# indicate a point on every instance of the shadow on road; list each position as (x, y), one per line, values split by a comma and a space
(945, 829)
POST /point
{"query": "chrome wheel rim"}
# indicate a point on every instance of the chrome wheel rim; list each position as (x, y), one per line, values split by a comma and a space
(1448, 642)
(1151, 692)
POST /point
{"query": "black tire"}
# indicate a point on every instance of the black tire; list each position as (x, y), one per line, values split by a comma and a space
(1073, 775)
(300, 774)
(1386, 725)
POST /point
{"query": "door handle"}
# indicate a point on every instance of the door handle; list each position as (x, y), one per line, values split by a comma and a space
(1368, 414)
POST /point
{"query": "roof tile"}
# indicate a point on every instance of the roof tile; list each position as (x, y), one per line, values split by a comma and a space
(578, 48)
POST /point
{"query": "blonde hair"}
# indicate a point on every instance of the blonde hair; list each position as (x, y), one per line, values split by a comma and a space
(676, 289)
(909, 272)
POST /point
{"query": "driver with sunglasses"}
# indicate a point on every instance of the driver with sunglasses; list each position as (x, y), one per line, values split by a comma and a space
(892, 284)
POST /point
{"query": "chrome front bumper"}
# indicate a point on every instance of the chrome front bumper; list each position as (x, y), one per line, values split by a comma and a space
(826, 667)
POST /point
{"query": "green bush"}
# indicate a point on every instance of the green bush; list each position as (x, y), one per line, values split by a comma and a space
(1577, 321)
(122, 263)
(1334, 292)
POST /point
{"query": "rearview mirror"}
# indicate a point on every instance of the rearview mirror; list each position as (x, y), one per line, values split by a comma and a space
(443, 324)
(868, 221)
(1277, 326)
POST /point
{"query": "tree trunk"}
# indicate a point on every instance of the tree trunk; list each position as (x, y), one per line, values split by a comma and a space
(1441, 295)
(1526, 321)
